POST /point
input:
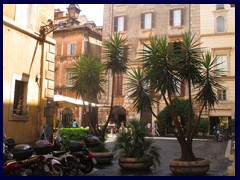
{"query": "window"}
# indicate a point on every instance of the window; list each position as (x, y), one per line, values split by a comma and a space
(147, 20)
(69, 79)
(222, 95)
(220, 21)
(176, 17)
(118, 85)
(145, 49)
(220, 6)
(120, 23)
(26, 15)
(71, 48)
(222, 65)
(19, 97)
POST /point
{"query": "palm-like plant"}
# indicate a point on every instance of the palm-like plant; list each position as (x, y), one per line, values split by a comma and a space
(139, 90)
(164, 70)
(88, 80)
(115, 50)
(132, 143)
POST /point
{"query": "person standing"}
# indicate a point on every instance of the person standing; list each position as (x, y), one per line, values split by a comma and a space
(156, 129)
(75, 123)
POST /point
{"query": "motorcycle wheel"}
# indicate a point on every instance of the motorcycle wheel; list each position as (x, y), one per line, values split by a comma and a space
(86, 167)
(57, 170)
(37, 171)
(220, 138)
(71, 167)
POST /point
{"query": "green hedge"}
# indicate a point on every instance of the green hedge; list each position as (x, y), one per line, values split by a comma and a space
(69, 134)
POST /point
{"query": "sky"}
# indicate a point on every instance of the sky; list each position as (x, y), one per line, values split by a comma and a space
(93, 12)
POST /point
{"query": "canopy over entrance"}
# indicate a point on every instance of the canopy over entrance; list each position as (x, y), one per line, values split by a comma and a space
(67, 102)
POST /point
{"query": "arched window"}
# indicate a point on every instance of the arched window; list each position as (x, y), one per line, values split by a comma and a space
(220, 24)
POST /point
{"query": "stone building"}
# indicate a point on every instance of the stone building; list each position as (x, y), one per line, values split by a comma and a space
(139, 21)
(74, 36)
(217, 29)
(28, 70)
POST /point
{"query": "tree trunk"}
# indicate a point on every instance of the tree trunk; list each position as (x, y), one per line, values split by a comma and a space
(186, 150)
(110, 112)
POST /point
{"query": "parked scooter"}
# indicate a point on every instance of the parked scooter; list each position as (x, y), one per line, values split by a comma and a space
(19, 161)
(51, 166)
(68, 161)
(85, 159)
(218, 134)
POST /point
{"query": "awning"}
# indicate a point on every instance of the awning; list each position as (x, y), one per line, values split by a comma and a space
(68, 102)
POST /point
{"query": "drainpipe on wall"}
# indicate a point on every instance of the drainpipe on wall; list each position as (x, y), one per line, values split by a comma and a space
(40, 109)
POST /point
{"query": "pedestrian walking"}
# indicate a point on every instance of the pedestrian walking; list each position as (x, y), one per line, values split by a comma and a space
(156, 129)
(75, 123)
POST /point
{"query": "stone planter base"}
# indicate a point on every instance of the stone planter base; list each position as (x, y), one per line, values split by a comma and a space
(133, 163)
(103, 157)
(198, 167)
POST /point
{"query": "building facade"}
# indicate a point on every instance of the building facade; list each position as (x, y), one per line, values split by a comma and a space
(139, 21)
(28, 71)
(219, 38)
(74, 36)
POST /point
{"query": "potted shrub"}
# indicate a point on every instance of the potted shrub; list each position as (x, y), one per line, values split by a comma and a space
(163, 70)
(102, 154)
(135, 151)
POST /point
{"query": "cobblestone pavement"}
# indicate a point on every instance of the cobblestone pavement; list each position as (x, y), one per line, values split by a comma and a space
(170, 149)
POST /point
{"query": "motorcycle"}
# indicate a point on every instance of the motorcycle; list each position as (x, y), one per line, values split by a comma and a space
(218, 135)
(50, 165)
(19, 161)
(68, 161)
(85, 159)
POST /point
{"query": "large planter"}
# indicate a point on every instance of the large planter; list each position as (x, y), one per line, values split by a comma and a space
(103, 157)
(133, 163)
(198, 167)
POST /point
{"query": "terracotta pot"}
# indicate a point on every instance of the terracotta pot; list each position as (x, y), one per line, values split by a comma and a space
(198, 167)
(103, 157)
(133, 163)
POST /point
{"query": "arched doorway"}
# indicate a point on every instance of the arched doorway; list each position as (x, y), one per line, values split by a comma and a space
(119, 115)
(67, 117)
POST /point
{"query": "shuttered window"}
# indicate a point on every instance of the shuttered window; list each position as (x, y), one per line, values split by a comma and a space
(120, 23)
(222, 95)
(71, 48)
(176, 17)
(25, 15)
(147, 20)
(118, 85)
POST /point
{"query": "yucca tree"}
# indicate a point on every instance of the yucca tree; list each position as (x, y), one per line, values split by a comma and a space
(163, 69)
(115, 49)
(139, 90)
(88, 79)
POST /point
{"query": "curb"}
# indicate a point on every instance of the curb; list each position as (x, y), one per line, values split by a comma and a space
(230, 154)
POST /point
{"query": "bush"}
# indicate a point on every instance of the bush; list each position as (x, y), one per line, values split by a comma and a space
(69, 134)
(203, 125)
